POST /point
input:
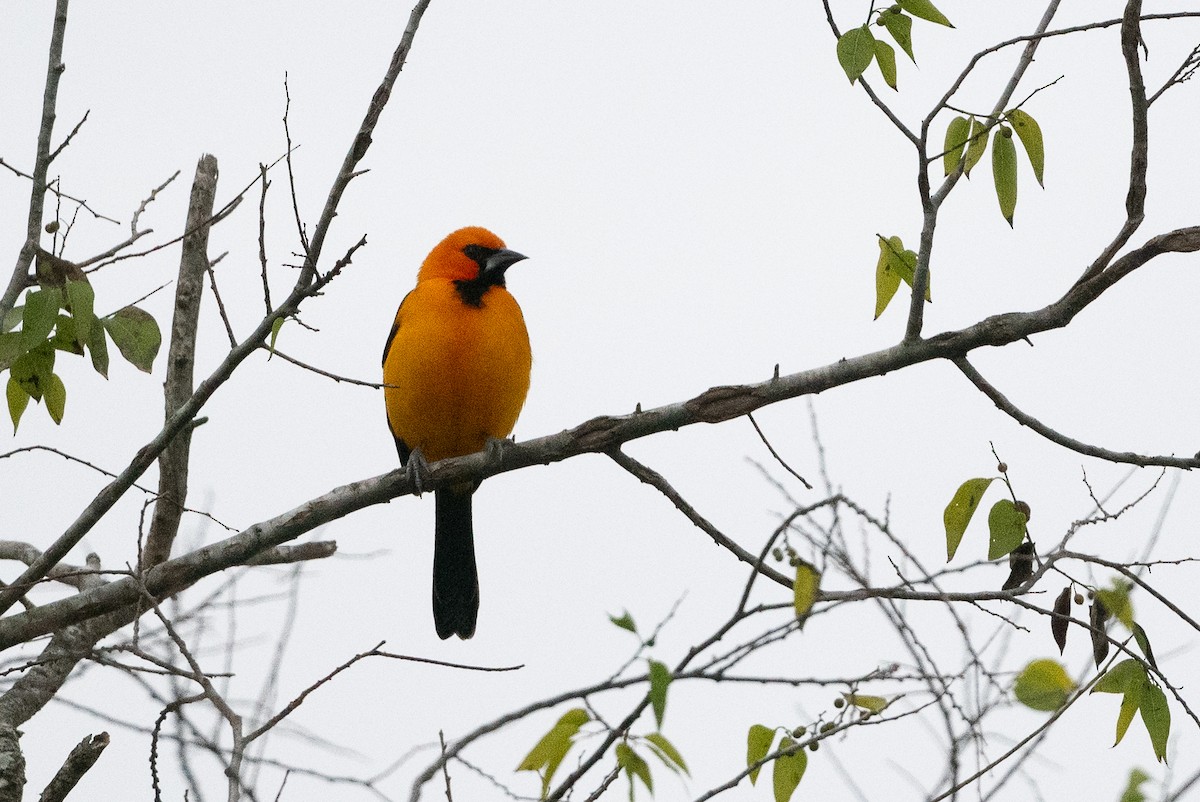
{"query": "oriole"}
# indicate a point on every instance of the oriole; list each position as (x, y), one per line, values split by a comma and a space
(455, 373)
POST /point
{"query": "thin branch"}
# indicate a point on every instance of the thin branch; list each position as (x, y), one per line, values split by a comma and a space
(320, 372)
(374, 652)
(649, 476)
(70, 136)
(262, 233)
(931, 202)
(51, 187)
(1009, 408)
(41, 163)
(1135, 197)
(774, 453)
(1185, 73)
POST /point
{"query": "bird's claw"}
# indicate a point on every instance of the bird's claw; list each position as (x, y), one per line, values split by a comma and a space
(416, 470)
(494, 450)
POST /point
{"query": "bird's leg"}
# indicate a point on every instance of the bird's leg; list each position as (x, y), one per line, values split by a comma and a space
(495, 450)
(416, 470)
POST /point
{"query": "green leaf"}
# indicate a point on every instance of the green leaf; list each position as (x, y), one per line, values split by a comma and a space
(887, 280)
(635, 766)
(976, 145)
(660, 678)
(624, 622)
(925, 10)
(1133, 791)
(14, 316)
(1121, 677)
(1006, 524)
(33, 369)
(549, 752)
(18, 399)
(804, 589)
(1116, 601)
(136, 335)
(885, 57)
(758, 744)
(10, 349)
(900, 27)
(789, 769)
(959, 511)
(1043, 685)
(904, 262)
(65, 338)
(39, 317)
(276, 325)
(56, 398)
(873, 704)
(1156, 715)
(1004, 171)
(81, 299)
(1143, 642)
(98, 347)
(957, 133)
(1129, 706)
(1031, 137)
(855, 51)
(667, 752)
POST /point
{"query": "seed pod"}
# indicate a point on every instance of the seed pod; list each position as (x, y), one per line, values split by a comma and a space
(1020, 562)
(1099, 639)
(1059, 622)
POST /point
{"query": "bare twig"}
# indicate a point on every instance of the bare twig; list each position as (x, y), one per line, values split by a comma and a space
(774, 453)
(1011, 409)
(41, 163)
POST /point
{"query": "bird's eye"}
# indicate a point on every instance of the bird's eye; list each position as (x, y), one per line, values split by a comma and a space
(476, 252)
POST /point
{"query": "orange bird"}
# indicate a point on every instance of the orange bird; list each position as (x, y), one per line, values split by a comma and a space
(455, 373)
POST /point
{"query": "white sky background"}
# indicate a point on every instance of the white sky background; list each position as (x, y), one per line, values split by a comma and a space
(698, 189)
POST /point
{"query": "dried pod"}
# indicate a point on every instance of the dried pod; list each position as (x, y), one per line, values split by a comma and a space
(1020, 563)
(1099, 639)
(1058, 621)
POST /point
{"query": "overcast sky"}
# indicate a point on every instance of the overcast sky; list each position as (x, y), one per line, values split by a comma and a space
(698, 189)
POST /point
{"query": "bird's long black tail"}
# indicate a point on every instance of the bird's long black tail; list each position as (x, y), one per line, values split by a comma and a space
(455, 578)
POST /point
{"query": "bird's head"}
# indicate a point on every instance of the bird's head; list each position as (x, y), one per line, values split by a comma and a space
(471, 254)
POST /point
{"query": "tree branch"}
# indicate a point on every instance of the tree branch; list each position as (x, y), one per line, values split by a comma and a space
(1135, 197)
(41, 164)
(82, 757)
(1011, 409)
(173, 462)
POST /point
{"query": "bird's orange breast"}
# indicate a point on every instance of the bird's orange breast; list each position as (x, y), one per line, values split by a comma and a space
(455, 375)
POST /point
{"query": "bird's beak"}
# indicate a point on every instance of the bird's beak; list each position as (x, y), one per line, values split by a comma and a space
(501, 260)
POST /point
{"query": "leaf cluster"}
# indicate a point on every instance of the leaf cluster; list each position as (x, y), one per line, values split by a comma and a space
(61, 317)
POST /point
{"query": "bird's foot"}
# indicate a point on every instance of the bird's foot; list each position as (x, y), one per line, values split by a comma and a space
(494, 450)
(416, 470)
